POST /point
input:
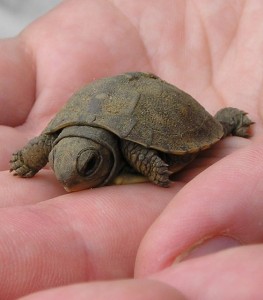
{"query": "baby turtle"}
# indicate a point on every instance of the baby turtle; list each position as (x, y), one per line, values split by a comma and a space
(134, 122)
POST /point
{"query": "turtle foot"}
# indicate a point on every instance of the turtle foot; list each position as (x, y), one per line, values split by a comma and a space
(234, 121)
(33, 157)
(147, 162)
(19, 168)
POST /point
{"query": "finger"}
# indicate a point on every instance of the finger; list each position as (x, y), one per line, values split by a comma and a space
(113, 290)
(89, 235)
(16, 191)
(49, 63)
(247, 18)
(67, 57)
(17, 81)
(223, 201)
(230, 274)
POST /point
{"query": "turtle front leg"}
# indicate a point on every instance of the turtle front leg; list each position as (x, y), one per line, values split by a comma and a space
(33, 157)
(147, 162)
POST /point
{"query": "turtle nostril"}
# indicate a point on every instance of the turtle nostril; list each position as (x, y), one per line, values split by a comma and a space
(87, 162)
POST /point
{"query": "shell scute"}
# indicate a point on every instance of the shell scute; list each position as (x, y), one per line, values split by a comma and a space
(141, 107)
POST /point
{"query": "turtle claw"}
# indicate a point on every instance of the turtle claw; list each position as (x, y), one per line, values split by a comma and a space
(19, 168)
(161, 173)
(243, 127)
(166, 182)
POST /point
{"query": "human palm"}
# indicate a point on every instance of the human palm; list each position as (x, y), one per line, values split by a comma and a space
(212, 51)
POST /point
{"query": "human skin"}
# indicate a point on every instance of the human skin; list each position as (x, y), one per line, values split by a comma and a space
(199, 239)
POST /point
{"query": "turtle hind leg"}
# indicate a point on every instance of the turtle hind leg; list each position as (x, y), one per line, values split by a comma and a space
(234, 121)
(33, 157)
(147, 162)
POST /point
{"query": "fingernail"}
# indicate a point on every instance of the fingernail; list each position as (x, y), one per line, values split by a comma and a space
(208, 246)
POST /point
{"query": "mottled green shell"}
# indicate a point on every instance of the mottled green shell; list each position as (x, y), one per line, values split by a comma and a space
(142, 108)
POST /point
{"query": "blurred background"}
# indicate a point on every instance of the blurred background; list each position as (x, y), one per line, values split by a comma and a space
(17, 14)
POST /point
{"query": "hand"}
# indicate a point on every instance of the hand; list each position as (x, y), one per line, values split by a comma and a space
(210, 50)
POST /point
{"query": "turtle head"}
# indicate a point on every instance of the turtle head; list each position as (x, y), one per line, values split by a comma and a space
(84, 157)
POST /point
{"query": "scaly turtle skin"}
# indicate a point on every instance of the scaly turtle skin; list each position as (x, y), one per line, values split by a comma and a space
(134, 119)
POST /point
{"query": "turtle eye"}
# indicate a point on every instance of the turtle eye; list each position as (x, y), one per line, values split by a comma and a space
(87, 162)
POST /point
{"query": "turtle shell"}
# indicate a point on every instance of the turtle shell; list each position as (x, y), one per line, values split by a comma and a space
(142, 108)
